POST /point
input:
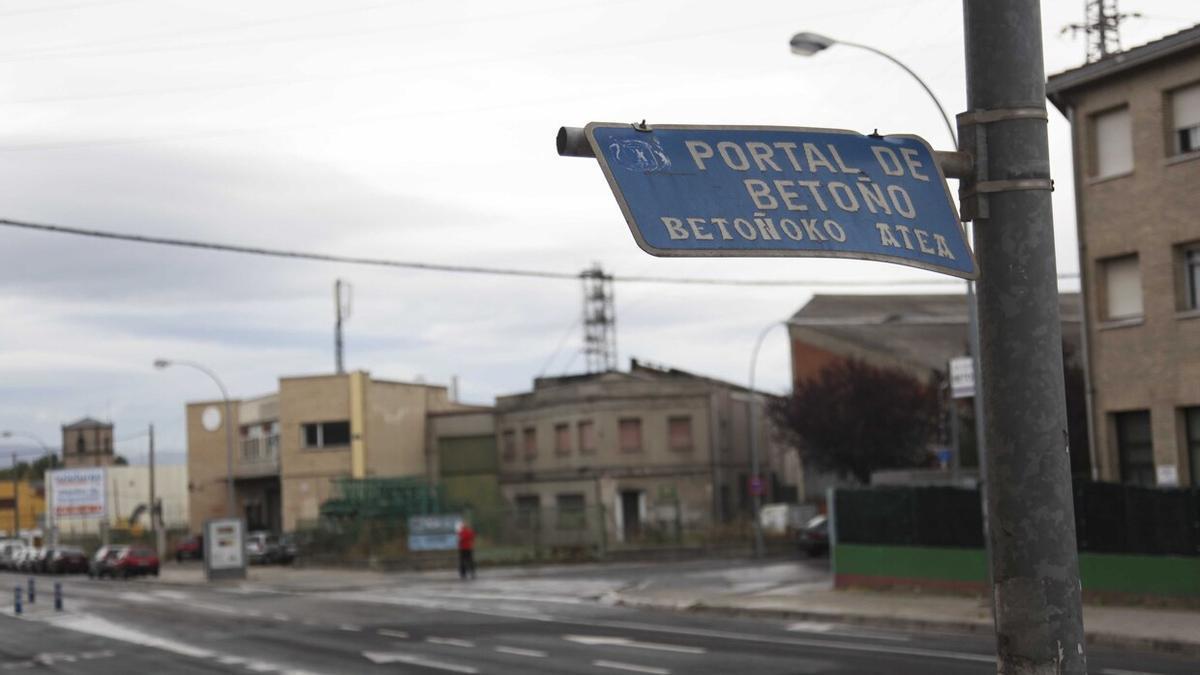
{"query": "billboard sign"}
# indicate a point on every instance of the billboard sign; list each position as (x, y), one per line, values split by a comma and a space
(225, 548)
(782, 191)
(433, 533)
(78, 493)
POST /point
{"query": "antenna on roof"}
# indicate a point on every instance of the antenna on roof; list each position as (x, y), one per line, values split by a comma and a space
(1102, 27)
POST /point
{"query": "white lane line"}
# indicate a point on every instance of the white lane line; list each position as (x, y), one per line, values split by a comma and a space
(171, 595)
(414, 660)
(517, 651)
(260, 667)
(453, 642)
(385, 632)
(613, 641)
(281, 617)
(349, 627)
(631, 667)
(835, 629)
(214, 608)
(230, 660)
(811, 643)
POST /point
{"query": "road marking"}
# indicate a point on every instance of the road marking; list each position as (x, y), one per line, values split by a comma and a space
(517, 651)
(831, 629)
(453, 642)
(607, 641)
(649, 627)
(414, 660)
(230, 660)
(135, 597)
(214, 608)
(171, 595)
(281, 617)
(260, 667)
(349, 627)
(631, 667)
(392, 633)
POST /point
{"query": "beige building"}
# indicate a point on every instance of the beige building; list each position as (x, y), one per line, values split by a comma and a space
(653, 446)
(1135, 124)
(290, 446)
(87, 442)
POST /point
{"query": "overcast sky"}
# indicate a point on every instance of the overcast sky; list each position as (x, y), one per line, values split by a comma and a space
(417, 130)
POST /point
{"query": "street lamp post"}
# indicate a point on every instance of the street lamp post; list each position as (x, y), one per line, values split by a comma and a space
(230, 508)
(756, 496)
(807, 44)
(46, 452)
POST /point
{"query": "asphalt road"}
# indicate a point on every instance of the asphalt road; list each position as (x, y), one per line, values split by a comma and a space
(547, 622)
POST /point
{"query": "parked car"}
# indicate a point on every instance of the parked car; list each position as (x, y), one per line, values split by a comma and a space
(190, 548)
(28, 561)
(10, 552)
(132, 561)
(261, 548)
(96, 565)
(288, 549)
(41, 562)
(67, 560)
(814, 536)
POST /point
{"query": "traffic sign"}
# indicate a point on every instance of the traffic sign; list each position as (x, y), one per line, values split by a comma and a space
(782, 191)
(757, 487)
(962, 377)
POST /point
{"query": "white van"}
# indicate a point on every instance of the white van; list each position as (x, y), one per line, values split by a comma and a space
(10, 550)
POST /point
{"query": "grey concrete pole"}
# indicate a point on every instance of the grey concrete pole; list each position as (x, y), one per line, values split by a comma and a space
(1036, 592)
(230, 501)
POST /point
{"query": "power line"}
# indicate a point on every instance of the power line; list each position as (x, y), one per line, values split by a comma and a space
(460, 269)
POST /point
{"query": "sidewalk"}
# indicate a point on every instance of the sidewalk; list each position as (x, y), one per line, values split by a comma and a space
(1163, 630)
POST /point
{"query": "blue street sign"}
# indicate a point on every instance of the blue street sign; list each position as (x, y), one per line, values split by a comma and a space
(781, 191)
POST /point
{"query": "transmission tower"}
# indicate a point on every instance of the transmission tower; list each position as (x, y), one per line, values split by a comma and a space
(599, 320)
(1102, 27)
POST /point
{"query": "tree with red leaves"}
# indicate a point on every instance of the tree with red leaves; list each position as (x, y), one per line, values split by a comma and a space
(853, 418)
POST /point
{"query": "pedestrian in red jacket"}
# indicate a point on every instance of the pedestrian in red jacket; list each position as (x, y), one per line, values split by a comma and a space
(466, 551)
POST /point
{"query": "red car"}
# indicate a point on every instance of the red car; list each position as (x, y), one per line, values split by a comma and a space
(191, 548)
(128, 561)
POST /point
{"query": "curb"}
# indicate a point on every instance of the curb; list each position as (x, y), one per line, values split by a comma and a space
(1098, 639)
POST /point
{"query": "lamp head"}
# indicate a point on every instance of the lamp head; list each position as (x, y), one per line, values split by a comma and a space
(807, 44)
(161, 363)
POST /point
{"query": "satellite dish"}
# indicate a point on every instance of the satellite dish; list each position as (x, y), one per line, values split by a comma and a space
(211, 418)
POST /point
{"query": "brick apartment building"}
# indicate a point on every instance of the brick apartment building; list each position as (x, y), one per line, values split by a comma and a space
(1135, 131)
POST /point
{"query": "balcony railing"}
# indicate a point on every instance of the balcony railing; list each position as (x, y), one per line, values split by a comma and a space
(258, 455)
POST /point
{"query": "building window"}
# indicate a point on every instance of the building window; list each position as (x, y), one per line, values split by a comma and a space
(562, 439)
(326, 434)
(1135, 450)
(630, 433)
(1122, 288)
(1185, 119)
(679, 433)
(80, 445)
(1189, 267)
(570, 511)
(508, 445)
(1191, 421)
(1112, 142)
(587, 437)
(528, 510)
(530, 442)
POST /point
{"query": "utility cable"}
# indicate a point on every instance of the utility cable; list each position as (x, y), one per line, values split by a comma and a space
(460, 269)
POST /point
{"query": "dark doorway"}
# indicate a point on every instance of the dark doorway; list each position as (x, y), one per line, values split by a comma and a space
(631, 513)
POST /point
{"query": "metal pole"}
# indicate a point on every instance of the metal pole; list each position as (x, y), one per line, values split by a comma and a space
(153, 522)
(1036, 591)
(230, 503)
(337, 331)
(16, 503)
(755, 497)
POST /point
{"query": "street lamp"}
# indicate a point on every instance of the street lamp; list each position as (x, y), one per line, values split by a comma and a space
(756, 497)
(162, 364)
(808, 44)
(46, 452)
